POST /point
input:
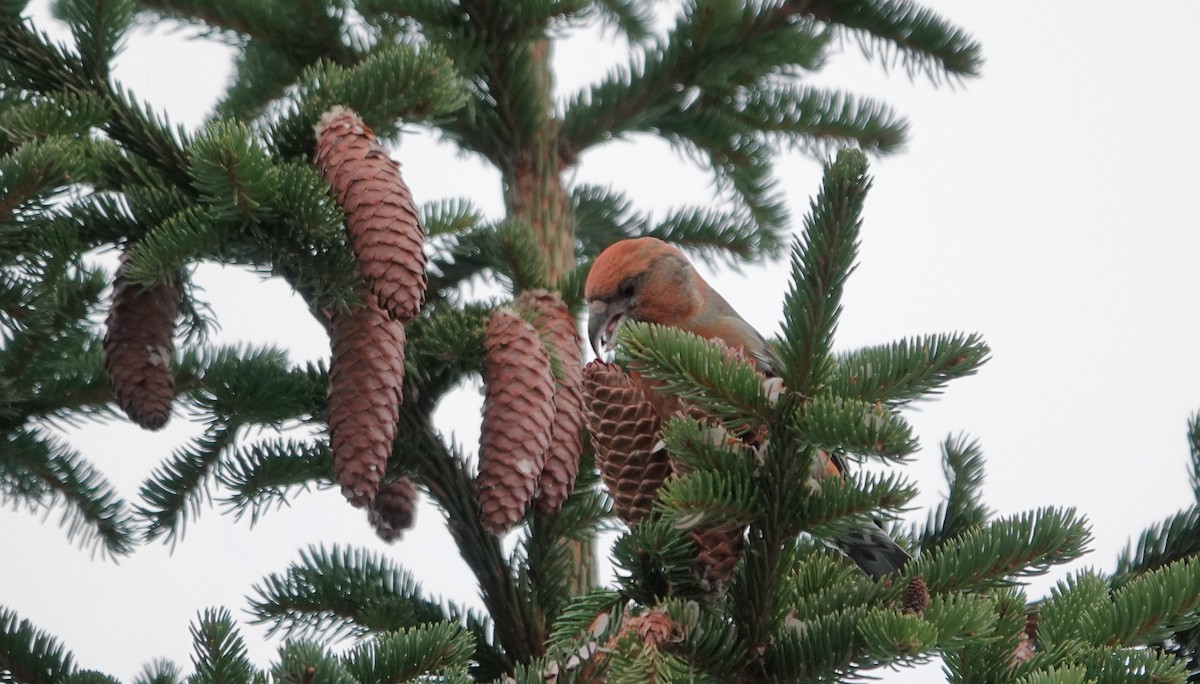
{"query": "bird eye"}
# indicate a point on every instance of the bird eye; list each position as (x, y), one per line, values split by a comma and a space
(628, 287)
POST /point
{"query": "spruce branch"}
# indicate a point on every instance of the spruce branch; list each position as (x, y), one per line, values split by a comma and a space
(30, 655)
(962, 510)
(390, 84)
(45, 473)
(701, 372)
(338, 592)
(844, 505)
(1193, 436)
(98, 28)
(707, 499)
(907, 370)
(231, 170)
(159, 671)
(412, 653)
(1004, 549)
(819, 121)
(450, 216)
(35, 174)
(305, 662)
(178, 487)
(900, 29)
(632, 17)
(1062, 614)
(220, 652)
(822, 259)
(269, 475)
(820, 583)
(1148, 609)
(1160, 544)
(304, 30)
(67, 114)
(443, 472)
(833, 423)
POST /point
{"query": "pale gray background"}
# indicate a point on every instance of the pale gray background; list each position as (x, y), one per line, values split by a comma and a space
(1049, 205)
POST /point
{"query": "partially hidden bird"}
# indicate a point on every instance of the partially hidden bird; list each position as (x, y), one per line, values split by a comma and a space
(649, 280)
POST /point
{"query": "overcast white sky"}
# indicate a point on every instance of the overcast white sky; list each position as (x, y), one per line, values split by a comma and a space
(1049, 205)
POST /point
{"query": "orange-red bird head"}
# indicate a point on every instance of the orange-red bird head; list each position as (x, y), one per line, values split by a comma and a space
(643, 279)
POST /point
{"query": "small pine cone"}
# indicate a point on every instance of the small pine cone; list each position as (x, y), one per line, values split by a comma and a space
(719, 550)
(392, 511)
(625, 430)
(518, 414)
(558, 328)
(916, 596)
(381, 220)
(139, 349)
(655, 628)
(366, 377)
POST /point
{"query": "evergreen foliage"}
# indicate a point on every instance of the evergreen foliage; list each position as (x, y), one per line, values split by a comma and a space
(85, 166)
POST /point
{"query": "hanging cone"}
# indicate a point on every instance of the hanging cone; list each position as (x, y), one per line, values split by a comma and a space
(719, 551)
(139, 349)
(381, 220)
(366, 377)
(518, 413)
(392, 511)
(625, 431)
(553, 320)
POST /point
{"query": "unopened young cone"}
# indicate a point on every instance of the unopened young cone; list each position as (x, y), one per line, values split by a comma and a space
(552, 318)
(139, 349)
(625, 430)
(518, 413)
(393, 510)
(366, 377)
(381, 220)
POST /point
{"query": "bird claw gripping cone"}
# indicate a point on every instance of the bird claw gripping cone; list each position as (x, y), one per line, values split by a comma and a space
(625, 436)
(139, 349)
(393, 510)
(366, 378)
(518, 415)
(553, 320)
(382, 222)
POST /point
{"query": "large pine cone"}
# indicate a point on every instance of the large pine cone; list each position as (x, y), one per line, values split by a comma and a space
(553, 320)
(381, 221)
(518, 414)
(625, 429)
(366, 377)
(393, 510)
(139, 349)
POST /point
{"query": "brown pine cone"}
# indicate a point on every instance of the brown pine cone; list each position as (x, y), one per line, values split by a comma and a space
(625, 430)
(366, 377)
(518, 414)
(720, 548)
(916, 596)
(558, 328)
(139, 349)
(393, 510)
(381, 220)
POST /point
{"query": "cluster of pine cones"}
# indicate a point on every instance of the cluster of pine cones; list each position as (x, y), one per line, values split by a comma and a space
(538, 394)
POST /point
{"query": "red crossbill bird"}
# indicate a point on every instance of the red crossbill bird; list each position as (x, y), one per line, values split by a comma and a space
(646, 279)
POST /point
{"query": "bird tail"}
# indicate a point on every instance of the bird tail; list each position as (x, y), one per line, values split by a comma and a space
(872, 550)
